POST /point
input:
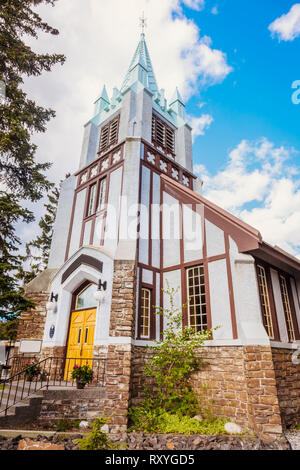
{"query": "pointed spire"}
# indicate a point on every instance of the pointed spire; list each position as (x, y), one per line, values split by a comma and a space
(177, 104)
(176, 97)
(141, 69)
(102, 101)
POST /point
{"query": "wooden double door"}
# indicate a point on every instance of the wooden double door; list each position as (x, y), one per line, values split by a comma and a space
(81, 339)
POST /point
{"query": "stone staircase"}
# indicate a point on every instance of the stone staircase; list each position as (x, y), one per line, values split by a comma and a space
(45, 407)
(24, 411)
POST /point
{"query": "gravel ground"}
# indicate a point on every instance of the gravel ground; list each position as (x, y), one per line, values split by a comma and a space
(294, 439)
(140, 441)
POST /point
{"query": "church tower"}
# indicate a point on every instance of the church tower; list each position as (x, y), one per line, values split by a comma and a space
(129, 220)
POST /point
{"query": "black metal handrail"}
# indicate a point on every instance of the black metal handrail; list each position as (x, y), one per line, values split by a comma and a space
(51, 371)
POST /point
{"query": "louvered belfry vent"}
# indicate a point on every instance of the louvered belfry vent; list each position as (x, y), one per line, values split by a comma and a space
(163, 136)
(109, 135)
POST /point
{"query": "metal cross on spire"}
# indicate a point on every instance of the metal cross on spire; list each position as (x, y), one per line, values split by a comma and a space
(143, 23)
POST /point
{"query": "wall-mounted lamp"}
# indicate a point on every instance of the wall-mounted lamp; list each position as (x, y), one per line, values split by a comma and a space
(53, 297)
(51, 306)
(100, 293)
(102, 285)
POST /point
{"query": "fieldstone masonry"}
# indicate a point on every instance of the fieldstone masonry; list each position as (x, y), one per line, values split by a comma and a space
(32, 322)
(257, 387)
(119, 356)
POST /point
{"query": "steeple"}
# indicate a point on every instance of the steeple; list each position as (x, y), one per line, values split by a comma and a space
(140, 69)
(101, 102)
(177, 104)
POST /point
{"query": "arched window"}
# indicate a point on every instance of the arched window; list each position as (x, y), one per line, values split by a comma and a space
(86, 297)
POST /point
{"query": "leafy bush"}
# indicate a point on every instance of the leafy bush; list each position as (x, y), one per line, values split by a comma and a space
(98, 439)
(175, 358)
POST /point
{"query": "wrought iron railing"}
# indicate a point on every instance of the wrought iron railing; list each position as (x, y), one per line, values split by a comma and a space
(49, 372)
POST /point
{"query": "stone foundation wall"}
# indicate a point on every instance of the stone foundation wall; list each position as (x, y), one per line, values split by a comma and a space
(32, 322)
(122, 317)
(119, 356)
(287, 376)
(238, 382)
(70, 405)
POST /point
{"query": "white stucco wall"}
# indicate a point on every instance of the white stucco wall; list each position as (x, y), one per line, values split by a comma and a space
(247, 303)
(214, 239)
(219, 299)
(61, 225)
(192, 234)
(155, 221)
(174, 279)
(113, 210)
(171, 233)
(87, 233)
(144, 217)
(77, 222)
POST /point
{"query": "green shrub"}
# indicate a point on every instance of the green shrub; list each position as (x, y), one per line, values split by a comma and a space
(98, 439)
(164, 422)
(174, 359)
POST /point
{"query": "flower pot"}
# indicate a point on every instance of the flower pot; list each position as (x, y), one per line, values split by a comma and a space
(80, 385)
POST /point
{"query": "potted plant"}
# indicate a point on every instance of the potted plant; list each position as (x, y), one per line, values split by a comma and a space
(83, 375)
(31, 370)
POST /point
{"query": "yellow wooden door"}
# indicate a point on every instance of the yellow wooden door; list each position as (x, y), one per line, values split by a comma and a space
(81, 340)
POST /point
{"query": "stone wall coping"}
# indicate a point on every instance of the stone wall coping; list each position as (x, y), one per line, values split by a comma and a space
(278, 344)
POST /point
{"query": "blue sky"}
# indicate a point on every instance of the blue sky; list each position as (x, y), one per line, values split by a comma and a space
(255, 99)
(234, 62)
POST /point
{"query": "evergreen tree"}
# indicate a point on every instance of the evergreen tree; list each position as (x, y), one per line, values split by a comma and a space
(19, 115)
(11, 295)
(9, 330)
(20, 175)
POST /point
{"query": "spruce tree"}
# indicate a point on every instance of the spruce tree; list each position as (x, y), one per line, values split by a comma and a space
(21, 177)
(11, 295)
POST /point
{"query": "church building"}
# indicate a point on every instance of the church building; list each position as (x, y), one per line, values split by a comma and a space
(132, 218)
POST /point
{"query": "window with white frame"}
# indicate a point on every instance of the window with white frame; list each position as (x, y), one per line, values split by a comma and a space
(197, 308)
(91, 203)
(265, 300)
(145, 310)
(287, 309)
(102, 194)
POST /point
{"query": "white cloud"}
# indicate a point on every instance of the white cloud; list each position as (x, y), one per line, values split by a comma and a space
(99, 45)
(287, 26)
(215, 10)
(194, 4)
(260, 185)
(200, 124)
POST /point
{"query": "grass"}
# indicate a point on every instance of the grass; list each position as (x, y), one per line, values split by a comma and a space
(171, 423)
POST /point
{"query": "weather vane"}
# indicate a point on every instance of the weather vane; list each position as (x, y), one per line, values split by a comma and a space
(143, 23)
